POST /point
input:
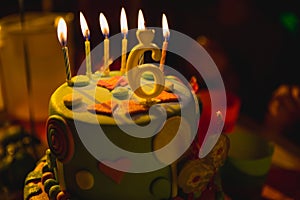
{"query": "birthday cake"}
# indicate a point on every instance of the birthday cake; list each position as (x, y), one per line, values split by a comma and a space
(71, 170)
(126, 135)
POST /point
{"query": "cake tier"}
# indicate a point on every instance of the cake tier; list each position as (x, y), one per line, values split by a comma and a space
(106, 140)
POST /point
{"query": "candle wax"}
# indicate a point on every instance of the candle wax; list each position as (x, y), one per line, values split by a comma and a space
(106, 56)
(88, 59)
(124, 51)
(163, 55)
(67, 64)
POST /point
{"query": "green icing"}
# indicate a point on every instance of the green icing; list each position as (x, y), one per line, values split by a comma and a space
(92, 94)
(54, 190)
(49, 183)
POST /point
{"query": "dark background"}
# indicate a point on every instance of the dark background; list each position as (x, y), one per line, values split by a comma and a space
(258, 40)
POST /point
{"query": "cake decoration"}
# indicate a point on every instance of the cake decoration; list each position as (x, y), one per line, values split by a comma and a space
(80, 81)
(106, 108)
(133, 107)
(112, 82)
(33, 176)
(84, 179)
(120, 92)
(49, 183)
(115, 175)
(165, 96)
(195, 176)
(72, 100)
(169, 86)
(46, 176)
(136, 71)
(54, 190)
(157, 191)
(219, 153)
(60, 139)
(31, 190)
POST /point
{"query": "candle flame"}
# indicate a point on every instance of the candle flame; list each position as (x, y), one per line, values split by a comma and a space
(123, 19)
(84, 27)
(165, 27)
(62, 31)
(141, 21)
(104, 25)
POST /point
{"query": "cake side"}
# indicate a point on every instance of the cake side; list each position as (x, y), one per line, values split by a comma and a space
(76, 165)
(74, 171)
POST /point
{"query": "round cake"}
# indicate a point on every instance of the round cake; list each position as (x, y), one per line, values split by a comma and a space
(127, 134)
(82, 164)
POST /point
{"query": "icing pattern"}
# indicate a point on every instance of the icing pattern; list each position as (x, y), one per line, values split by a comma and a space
(60, 140)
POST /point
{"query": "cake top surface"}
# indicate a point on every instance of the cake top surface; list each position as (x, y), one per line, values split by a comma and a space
(109, 99)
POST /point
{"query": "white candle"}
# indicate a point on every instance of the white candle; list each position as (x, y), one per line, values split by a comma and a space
(62, 37)
(86, 34)
(166, 34)
(105, 32)
(124, 30)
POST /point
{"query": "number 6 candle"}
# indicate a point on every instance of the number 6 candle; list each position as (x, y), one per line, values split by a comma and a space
(135, 71)
(62, 37)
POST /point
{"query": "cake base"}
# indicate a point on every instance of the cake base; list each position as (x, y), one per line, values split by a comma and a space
(196, 178)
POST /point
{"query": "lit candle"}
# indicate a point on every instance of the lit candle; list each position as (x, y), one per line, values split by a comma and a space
(86, 34)
(141, 21)
(141, 29)
(124, 30)
(166, 34)
(62, 37)
(105, 32)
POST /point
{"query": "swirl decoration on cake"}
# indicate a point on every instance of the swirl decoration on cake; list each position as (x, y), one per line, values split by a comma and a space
(60, 139)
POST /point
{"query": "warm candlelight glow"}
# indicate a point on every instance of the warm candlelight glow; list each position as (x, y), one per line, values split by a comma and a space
(104, 25)
(84, 27)
(141, 21)
(123, 21)
(165, 27)
(62, 32)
